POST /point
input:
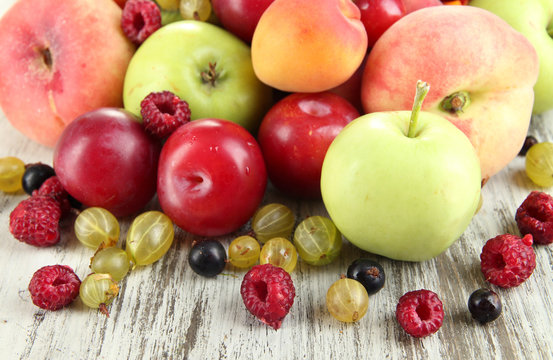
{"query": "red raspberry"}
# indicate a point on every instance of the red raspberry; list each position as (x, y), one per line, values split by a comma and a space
(163, 112)
(52, 187)
(420, 313)
(53, 287)
(35, 221)
(507, 260)
(140, 19)
(268, 293)
(535, 216)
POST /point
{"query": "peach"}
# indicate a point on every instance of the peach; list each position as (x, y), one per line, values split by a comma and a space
(412, 5)
(58, 60)
(480, 70)
(308, 45)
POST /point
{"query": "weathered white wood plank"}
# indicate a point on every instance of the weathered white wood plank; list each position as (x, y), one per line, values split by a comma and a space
(165, 311)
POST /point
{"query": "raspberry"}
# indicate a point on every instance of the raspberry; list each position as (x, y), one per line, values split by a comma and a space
(53, 287)
(163, 112)
(35, 221)
(52, 187)
(268, 293)
(420, 313)
(140, 19)
(535, 216)
(507, 260)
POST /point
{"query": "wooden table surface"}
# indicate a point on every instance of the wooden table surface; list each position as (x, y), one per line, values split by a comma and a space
(166, 311)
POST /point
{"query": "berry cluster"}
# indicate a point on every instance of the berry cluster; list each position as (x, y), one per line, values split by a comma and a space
(35, 220)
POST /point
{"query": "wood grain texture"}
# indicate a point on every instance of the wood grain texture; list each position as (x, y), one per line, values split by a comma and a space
(165, 311)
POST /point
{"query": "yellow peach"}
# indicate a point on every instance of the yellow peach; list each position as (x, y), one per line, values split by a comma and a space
(308, 45)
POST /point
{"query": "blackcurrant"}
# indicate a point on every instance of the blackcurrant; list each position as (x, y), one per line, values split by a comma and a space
(369, 273)
(484, 305)
(528, 143)
(35, 175)
(207, 258)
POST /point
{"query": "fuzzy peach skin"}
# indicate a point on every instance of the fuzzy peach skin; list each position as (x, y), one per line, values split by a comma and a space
(308, 45)
(58, 60)
(458, 48)
(412, 5)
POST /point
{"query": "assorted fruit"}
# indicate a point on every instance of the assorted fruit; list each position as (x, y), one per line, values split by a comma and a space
(317, 240)
(95, 227)
(207, 258)
(507, 260)
(271, 221)
(11, 173)
(279, 252)
(485, 305)
(149, 237)
(53, 287)
(268, 293)
(420, 312)
(347, 300)
(369, 273)
(208, 138)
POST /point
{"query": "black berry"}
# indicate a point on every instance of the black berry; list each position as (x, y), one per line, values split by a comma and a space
(35, 175)
(528, 143)
(369, 273)
(207, 258)
(484, 305)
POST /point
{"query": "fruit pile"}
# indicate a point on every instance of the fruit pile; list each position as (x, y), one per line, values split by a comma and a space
(204, 105)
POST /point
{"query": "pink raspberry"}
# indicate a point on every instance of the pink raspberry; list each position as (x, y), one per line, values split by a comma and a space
(507, 260)
(420, 313)
(163, 112)
(535, 216)
(268, 293)
(52, 187)
(53, 287)
(35, 221)
(140, 19)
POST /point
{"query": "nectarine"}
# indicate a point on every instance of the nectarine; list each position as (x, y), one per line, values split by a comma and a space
(481, 72)
(58, 60)
(318, 45)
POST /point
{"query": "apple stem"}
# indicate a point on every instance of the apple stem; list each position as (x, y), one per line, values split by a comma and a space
(456, 102)
(46, 57)
(211, 75)
(422, 90)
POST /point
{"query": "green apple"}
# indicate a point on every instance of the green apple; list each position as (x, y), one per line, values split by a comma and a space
(402, 184)
(204, 65)
(534, 20)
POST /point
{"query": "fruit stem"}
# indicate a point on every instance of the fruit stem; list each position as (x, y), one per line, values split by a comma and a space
(46, 57)
(210, 76)
(456, 102)
(104, 309)
(422, 90)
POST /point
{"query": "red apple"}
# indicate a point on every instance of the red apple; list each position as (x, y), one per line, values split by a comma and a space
(211, 177)
(379, 15)
(58, 60)
(294, 136)
(105, 158)
(240, 17)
